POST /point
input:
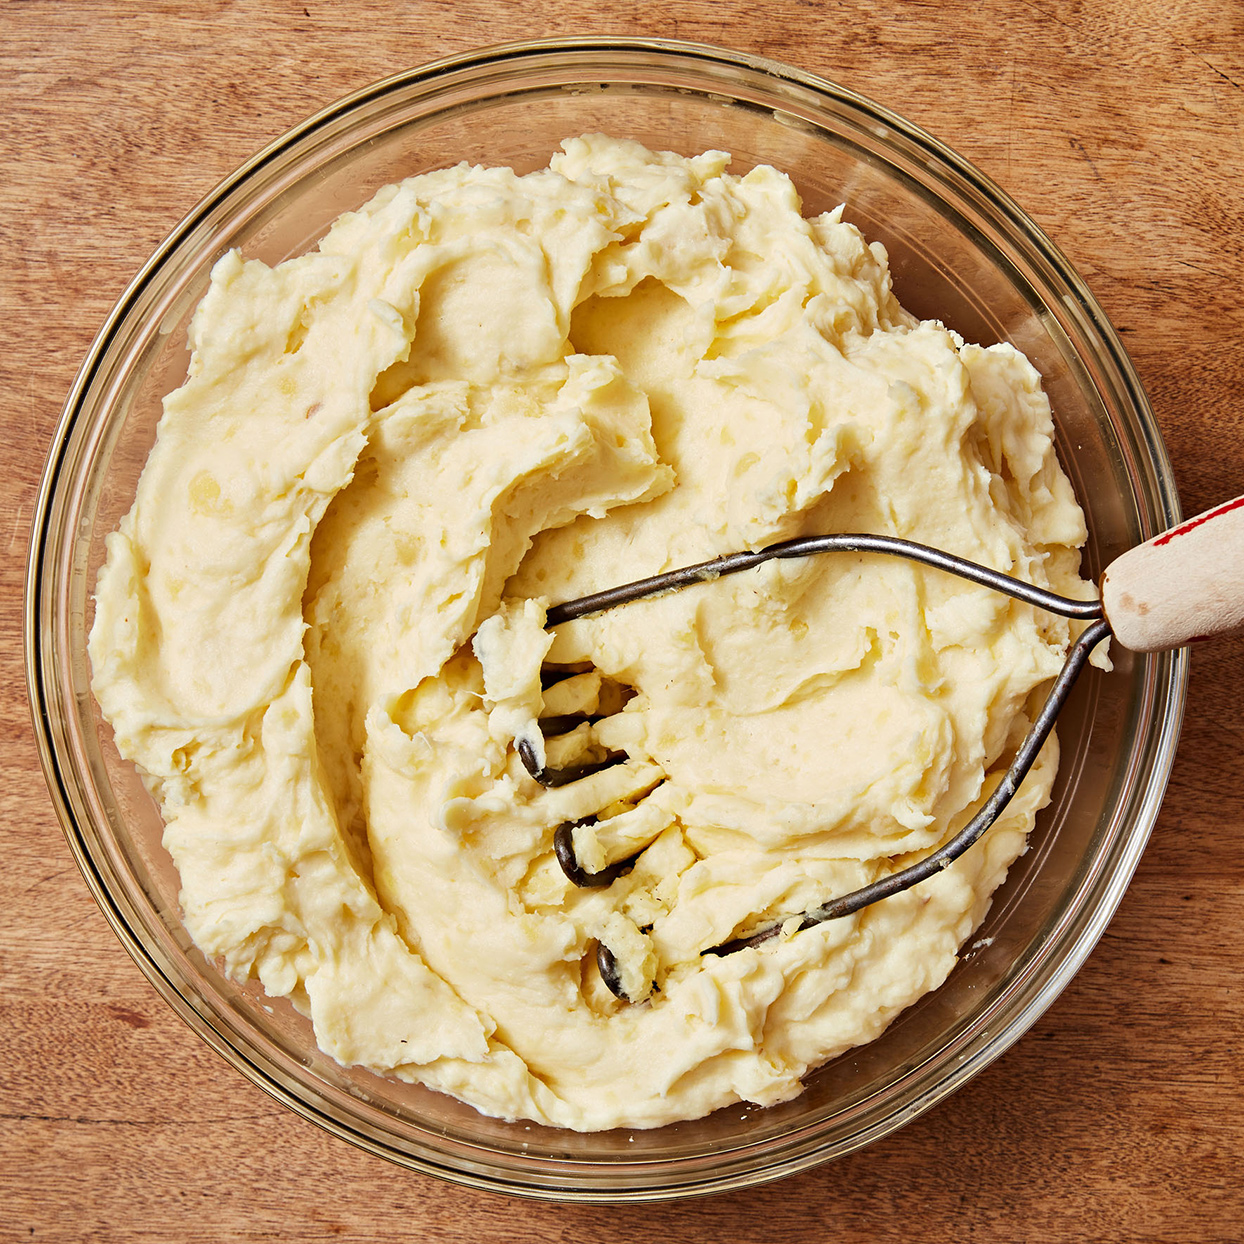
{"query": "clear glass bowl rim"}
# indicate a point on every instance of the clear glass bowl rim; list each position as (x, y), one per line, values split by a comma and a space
(715, 69)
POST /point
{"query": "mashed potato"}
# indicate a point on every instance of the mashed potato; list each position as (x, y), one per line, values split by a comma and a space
(320, 631)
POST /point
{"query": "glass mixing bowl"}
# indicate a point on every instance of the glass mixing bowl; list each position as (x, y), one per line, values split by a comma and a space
(961, 252)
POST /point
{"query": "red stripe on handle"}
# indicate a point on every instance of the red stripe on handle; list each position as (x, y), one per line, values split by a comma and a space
(1192, 523)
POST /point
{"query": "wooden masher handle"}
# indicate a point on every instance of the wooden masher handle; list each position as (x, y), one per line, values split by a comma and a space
(1184, 585)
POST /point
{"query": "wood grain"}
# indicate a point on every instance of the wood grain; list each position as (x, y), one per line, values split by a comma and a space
(1119, 125)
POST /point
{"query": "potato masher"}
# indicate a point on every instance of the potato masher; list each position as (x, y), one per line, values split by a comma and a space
(1183, 585)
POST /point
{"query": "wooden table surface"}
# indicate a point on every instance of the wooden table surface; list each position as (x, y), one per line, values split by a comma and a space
(1119, 126)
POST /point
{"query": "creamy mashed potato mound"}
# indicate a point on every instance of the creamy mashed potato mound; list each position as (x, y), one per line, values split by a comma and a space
(320, 631)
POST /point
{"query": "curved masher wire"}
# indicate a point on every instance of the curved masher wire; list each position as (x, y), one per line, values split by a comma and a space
(705, 572)
(805, 546)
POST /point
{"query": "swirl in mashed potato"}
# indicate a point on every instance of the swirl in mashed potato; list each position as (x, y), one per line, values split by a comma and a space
(319, 632)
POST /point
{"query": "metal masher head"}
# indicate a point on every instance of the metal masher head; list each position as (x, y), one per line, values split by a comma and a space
(1089, 611)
